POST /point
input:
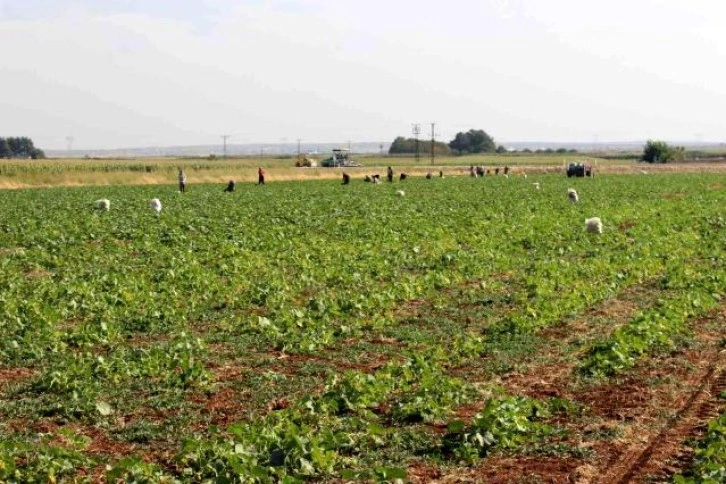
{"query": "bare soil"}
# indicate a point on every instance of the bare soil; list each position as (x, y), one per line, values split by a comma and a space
(635, 427)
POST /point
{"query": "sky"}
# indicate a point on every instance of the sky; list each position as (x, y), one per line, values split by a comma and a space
(142, 73)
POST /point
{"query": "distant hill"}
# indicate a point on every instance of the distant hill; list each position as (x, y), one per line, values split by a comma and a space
(272, 149)
(602, 146)
(323, 149)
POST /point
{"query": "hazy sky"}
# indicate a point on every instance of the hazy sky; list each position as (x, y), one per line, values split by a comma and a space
(126, 73)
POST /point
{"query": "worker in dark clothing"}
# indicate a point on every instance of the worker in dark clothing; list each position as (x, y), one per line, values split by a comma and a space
(260, 176)
(230, 187)
(182, 181)
(390, 174)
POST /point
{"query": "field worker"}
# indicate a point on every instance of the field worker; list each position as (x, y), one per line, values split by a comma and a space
(346, 178)
(260, 176)
(390, 174)
(230, 187)
(182, 181)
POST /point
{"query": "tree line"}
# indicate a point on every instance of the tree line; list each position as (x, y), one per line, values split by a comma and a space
(478, 141)
(472, 141)
(19, 147)
(403, 145)
(464, 143)
(661, 152)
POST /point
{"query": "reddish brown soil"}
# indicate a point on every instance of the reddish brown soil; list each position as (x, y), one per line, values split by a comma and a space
(632, 430)
(11, 375)
(634, 426)
(368, 362)
(501, 470)
(224, 406)
(663, 416)
(551, 377)
(410, 309)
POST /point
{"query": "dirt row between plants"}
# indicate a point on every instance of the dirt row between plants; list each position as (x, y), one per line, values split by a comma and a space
(11, 375)
(544, 375)
(546, 379)
(634, 425)
(667, 452)
(647, 415)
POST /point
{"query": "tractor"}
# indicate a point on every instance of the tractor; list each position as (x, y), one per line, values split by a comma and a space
(580, 170)
(341, 157)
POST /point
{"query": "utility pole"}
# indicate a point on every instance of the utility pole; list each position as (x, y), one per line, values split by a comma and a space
(433, 139)
(224, 148)
(298, 150)
(69, 142)
(416, 133)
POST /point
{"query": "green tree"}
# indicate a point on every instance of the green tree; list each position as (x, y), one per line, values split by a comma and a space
(473, 141)
(661, 152)
(19, 147)
(4, 148)
(37, 154)
(501, 149)
(402, 145)
(440, 148)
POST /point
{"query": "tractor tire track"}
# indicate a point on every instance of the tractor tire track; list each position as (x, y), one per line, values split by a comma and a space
(655, 462)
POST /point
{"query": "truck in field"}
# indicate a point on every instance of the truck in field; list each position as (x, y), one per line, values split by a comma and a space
(579, 170)
(341, 157)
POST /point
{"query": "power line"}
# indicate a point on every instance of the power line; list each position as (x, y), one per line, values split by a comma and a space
(416, 133)
(224, 148)
(433, 141)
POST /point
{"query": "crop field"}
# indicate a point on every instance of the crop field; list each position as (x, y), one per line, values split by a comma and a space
(468, 331)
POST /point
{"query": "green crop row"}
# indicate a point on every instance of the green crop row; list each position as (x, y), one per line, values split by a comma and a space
(696, 289)
(119, 315)
(709, 463)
